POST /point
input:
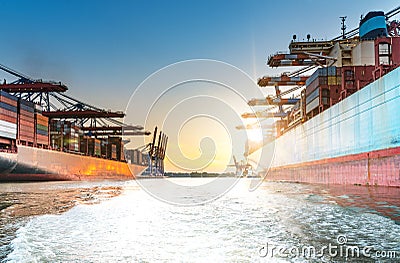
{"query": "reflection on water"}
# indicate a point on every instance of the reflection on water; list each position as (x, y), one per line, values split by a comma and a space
(18, 201)
(134, 227)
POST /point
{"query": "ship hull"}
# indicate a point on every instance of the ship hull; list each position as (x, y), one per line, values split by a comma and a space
(372, 168)
(35, 164)
(356, 141)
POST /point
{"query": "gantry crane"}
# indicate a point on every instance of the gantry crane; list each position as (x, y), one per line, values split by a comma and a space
(156, 153)
(58, 105)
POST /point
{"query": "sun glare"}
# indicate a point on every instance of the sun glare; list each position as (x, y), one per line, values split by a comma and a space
(255, 135)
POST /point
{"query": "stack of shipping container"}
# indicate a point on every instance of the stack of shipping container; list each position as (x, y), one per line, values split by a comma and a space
(8, 120)
(96, 147)
(71, 134)
(26, 122)
(117, 148)
(327, 86)
(56, 134)
(322, 90)
(23, 121)
(64, 135)
(42, 128)
(136, 157)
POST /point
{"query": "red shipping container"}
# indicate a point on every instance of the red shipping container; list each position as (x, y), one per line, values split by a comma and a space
(8, 119)
(8, 113)
(42, 139)
(42, 119)
(24, 137)
(27, 132)
(44, 122)
(26, 119)
(26, 123)
(26, 113)
(8, 101)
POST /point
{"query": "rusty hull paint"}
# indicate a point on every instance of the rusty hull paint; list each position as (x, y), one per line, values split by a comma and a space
(35, 164)
(381, 167)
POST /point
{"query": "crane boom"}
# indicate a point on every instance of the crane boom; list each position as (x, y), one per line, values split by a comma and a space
(15, 73)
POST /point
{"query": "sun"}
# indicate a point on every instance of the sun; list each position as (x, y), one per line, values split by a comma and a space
(255, 135)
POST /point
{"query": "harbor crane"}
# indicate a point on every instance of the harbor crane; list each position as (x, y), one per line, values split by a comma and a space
(58, 105)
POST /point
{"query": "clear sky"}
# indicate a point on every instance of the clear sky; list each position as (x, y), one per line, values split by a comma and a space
(104, 49)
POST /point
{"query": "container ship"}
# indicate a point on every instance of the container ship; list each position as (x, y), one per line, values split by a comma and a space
(75, 141)
(341, 124)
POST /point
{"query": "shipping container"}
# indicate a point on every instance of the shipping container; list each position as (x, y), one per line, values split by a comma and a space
(9, 101)
(312, 105)
(113, 151)
(42, 119)
(97, 147)
(93, 147)
(83, 143)
(331, 71)
(26, 123)
(71, 142)
(8, 116)
(8, 129)
(42, 139)
(28, 108)
(321, 72)
(26, 114)
(66, 134)
(131, 156)
(320, 81)
(140, 161)
(8, 107)
(332, 80)
(55, 126)
(56, 141)
(117, 141)
(8, 113)
(135, 156)
(8, 119)
(122, 152)
(41, 129)
(8, 95)
(26, 118)
(312, 96)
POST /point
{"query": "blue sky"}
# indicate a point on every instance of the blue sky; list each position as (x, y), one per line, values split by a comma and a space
(104, 49)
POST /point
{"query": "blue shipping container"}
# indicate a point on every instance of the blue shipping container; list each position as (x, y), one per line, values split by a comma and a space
(8, 107)
(8, 95)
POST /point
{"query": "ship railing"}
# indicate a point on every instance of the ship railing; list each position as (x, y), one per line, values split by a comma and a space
(8, 151)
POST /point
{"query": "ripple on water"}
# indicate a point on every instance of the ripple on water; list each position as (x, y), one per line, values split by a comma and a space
(137, 227)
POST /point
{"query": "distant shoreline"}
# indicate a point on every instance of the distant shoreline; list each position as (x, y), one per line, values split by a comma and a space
(199, 175)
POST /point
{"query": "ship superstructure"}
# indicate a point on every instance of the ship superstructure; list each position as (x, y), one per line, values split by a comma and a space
(341, 126)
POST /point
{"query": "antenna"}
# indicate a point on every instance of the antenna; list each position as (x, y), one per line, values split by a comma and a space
(343, 28)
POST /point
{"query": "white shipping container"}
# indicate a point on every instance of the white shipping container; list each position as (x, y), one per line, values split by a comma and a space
(8, 124)
(8, 135)
(312, 105)
(9, 129)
